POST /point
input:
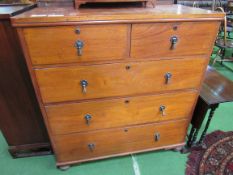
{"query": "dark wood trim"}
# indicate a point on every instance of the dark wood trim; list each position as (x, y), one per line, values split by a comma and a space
(29, 150)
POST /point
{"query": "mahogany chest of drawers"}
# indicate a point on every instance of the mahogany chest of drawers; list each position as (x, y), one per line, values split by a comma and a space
(113, 82)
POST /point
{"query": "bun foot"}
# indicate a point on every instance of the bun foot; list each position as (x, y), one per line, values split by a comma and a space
(178, 149)
(64, 168)
(185, 150)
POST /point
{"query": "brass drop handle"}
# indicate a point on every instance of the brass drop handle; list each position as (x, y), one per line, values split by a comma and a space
(88, 118)
(157, 136)
(91, 146)
(79, 45)
(173, 40)
(84, 85)
(168, 77)
(162, 110)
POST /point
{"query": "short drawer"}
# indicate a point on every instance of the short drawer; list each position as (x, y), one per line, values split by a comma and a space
(77, 44)
(112, 142)
(102, 114)
(120, 79)
(172, 39)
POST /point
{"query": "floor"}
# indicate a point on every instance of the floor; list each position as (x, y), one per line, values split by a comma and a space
(158, 162)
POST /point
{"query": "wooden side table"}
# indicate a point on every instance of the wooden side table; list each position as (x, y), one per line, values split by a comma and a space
(216, 89)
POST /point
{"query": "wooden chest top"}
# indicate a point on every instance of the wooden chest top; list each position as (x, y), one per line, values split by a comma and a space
(67, 15)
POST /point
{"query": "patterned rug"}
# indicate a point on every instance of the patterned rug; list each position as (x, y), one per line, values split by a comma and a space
(215, 157)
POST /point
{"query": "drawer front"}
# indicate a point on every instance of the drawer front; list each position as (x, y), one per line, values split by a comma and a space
(100, 114)
(120, 79)
(83, 146)
(172, 39)
(52, 45)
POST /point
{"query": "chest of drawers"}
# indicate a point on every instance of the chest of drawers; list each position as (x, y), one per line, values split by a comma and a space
(116, 81)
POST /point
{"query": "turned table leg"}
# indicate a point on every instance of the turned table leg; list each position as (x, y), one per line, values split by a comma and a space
(194, 137)
(190, 137)
(222, 55)
(212, 110)
(198, 117)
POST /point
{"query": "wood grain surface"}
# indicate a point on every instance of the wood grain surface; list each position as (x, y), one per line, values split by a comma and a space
(70, 118)
(74, 147)
(53, 45)
(216, 82)
(125, 66)
(154, 39)
(109, 80)
(66, 16)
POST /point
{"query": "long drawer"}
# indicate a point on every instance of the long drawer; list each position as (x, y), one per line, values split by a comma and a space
(77, 44)
(101, 114)
(172, 39)
(110, 142)
(107, 80)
